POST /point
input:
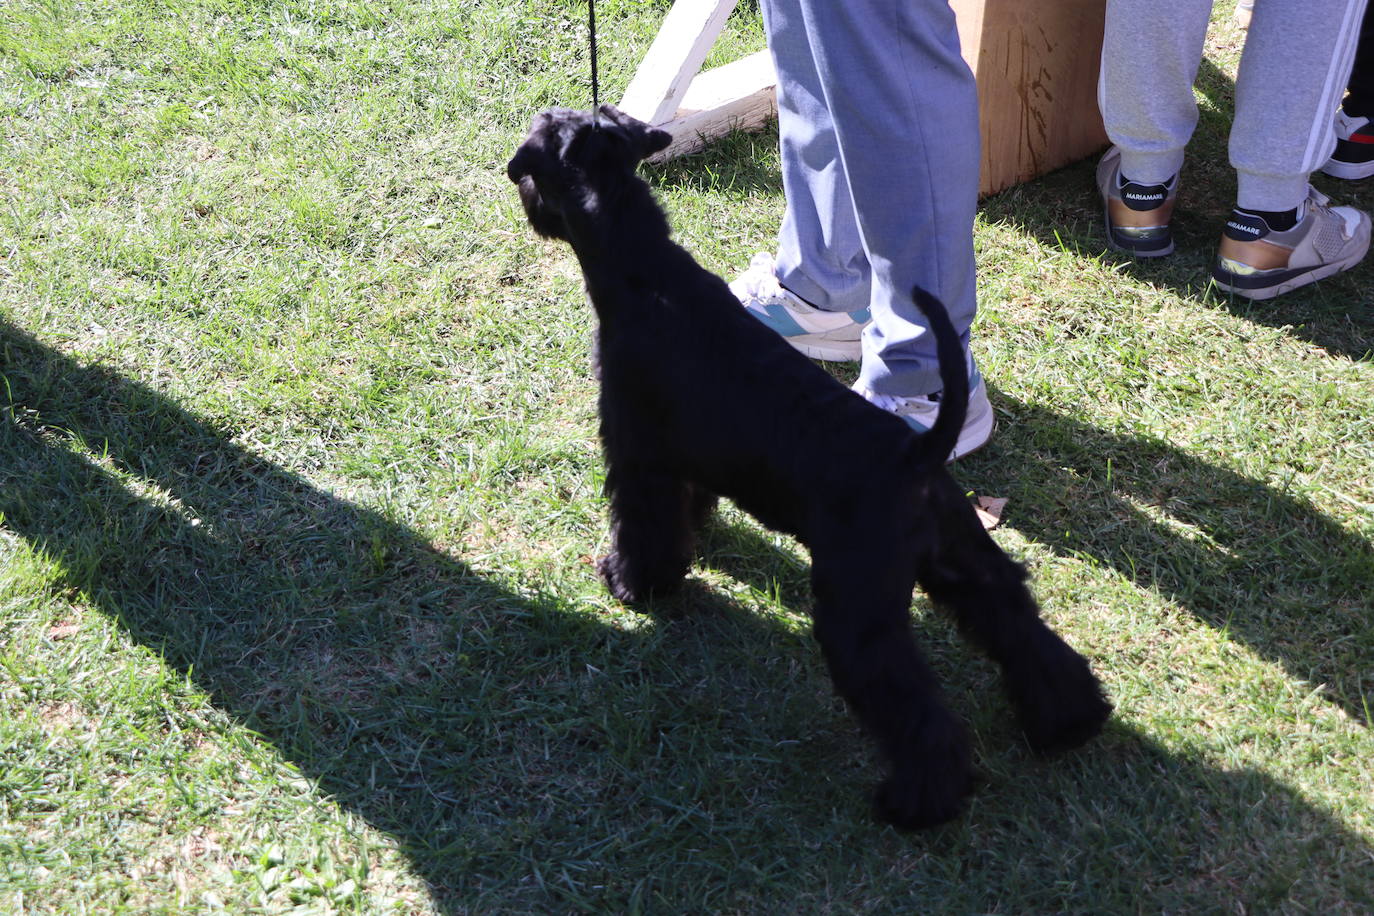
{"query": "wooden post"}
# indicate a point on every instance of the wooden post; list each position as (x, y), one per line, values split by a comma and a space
(1035, 61)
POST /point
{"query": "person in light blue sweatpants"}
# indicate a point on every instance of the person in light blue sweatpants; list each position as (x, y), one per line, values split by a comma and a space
(878, 116)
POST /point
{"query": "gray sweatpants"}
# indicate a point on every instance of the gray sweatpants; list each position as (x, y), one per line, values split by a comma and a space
(878, 115)
(1293, 72)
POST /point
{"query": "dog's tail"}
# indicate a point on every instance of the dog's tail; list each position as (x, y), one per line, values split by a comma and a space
(939, 442)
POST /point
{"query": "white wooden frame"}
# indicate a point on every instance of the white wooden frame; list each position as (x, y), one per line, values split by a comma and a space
(670, 92)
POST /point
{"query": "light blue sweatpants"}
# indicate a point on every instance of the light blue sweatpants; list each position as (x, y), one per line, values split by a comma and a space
(878, 115)
(1293, 72)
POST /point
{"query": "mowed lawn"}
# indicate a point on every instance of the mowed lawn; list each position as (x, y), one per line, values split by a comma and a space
(300, 490)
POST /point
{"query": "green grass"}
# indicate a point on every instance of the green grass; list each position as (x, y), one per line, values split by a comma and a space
(299, 486)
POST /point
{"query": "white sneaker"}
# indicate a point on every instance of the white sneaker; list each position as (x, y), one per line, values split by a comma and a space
(920, 413)
(1244, 10)
(818, 333)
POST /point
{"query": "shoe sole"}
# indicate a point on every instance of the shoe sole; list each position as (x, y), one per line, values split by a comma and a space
(1129, 249)
(957, 454)
(1289, 283)
(830, 351)
(1350, 171)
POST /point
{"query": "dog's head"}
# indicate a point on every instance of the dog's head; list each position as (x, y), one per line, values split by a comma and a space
(574, 158)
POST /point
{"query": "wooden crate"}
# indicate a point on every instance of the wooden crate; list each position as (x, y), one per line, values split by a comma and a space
(1035, 61)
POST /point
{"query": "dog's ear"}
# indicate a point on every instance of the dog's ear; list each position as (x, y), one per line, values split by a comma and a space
(655, 140)
(645, 140)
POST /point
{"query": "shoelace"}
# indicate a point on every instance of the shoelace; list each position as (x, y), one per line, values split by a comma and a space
(760, 282)
(1350, 219)
(893, 404)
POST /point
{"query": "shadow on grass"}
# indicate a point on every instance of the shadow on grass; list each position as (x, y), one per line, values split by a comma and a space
(1261, 564)
(742, 162)
(1063, 210)
(529, 757)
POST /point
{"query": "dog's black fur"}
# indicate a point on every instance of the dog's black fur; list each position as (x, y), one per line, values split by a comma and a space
(699, 399)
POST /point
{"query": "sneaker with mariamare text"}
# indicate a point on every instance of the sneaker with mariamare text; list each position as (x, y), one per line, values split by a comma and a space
(1260, 263)
(1136, 215)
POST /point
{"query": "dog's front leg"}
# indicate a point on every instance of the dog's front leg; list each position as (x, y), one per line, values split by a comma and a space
(653, 516)
(862, 621)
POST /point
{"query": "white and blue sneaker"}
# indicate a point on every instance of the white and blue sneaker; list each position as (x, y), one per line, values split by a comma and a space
(920, 412)
(816, 332)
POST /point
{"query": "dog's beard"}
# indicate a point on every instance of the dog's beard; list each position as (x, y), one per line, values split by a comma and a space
(544, 218)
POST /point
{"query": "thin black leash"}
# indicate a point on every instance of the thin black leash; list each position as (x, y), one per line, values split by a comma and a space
(596, 89)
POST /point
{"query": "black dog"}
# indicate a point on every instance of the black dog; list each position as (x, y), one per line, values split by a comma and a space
(699, 399)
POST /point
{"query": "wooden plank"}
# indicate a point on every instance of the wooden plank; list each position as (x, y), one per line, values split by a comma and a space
(737, 96)
(673, 60)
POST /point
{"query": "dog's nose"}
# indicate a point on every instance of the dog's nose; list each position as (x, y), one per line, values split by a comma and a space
(523, 162)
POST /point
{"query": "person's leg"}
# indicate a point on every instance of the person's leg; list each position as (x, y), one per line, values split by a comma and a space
(1150, 57)
(815, 291)
(1354, 124)
(1359, 99)
(820, 254)
(1292, 75)
(1283, 234)
(903, 116)
(1244, 10)
(1151, 50)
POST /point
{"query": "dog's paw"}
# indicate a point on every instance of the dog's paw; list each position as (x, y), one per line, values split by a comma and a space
(633, 583)
(612, 569)
(928, 787)
(924, 798)
(1060, 707)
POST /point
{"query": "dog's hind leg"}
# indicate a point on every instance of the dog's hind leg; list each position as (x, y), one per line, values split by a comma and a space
(1058, 700)
(863, 623)
(653, 521)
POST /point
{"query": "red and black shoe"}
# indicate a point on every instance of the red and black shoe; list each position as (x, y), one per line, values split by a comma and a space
(1354, 155)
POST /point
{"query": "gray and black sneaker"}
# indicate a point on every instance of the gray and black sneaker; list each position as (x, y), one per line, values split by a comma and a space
(1136, 215)
(1259, 263)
